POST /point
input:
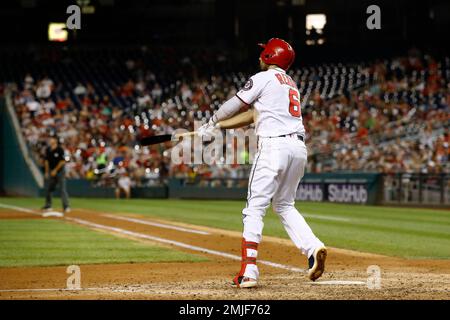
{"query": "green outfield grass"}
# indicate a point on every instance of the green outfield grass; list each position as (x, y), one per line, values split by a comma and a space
(405, 232)
(51, 243)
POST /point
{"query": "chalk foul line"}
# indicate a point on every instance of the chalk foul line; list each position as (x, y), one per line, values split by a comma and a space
(321, 217)
(155, 224)
(7, 206)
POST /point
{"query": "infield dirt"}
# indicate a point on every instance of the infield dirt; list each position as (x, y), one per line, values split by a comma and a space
(400, 278)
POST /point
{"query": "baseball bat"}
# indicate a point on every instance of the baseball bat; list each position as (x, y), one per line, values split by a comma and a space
(147, 141)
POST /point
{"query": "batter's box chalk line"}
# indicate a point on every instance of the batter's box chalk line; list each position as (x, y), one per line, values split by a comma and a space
(49, 289)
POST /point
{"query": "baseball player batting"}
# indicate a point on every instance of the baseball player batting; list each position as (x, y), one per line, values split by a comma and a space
(279, 162)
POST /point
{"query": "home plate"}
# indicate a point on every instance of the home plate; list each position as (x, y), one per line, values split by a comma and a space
(53, 214)
(340, 282)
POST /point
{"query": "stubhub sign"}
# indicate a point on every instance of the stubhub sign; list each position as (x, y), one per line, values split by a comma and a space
(347, 193)
(346, 188)
(310, 192)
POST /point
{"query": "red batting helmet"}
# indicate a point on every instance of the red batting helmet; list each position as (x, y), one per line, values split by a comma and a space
(278, 52)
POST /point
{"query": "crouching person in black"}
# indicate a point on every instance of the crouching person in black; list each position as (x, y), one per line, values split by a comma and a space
(55, 174)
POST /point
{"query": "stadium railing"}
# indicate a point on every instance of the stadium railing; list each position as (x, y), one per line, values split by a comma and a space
(416, 189)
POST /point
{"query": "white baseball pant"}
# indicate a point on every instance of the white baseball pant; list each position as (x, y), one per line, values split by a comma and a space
(276, 173)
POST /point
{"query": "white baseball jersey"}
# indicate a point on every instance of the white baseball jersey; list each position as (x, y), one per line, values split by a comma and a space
(276, 100)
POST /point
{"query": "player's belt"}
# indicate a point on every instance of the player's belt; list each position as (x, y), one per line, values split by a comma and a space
(300, 137)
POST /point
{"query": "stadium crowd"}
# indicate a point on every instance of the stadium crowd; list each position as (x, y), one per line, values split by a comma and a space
(386, 116)
(399, 123)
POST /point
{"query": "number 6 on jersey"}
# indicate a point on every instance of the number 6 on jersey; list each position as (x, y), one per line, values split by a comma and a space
(294, 103)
